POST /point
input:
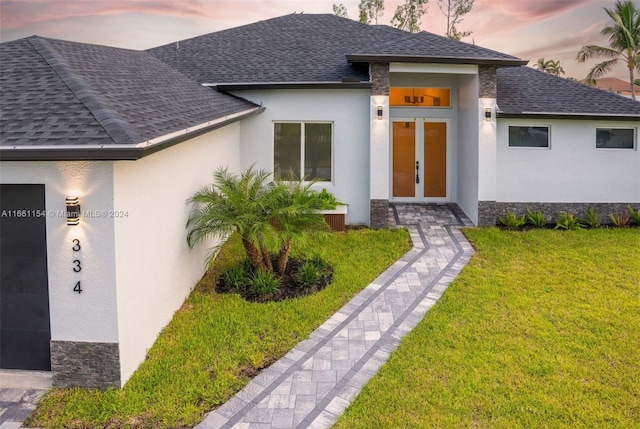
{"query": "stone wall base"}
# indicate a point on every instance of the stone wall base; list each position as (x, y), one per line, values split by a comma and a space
(490, 211)
(83, 364)
(487, 213)
(379, 210)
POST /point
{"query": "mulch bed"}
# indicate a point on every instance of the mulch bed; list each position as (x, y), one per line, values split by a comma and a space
(288, 287)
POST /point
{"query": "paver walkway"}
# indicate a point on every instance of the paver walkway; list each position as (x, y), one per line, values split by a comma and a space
(19, 392)
(314, 383)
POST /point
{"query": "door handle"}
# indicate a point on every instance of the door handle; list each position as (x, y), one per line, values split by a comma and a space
(417, 171)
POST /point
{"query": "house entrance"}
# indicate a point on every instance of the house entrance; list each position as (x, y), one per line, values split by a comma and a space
(419, 159)
(24, 296)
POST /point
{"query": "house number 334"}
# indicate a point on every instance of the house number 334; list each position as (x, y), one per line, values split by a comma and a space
(77, 264)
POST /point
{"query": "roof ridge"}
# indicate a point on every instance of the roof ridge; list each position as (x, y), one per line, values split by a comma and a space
(115, 125)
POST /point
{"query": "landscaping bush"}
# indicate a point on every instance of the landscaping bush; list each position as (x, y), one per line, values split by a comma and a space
(512, 221)
(536, 219)
(568, 221)
(592, 219)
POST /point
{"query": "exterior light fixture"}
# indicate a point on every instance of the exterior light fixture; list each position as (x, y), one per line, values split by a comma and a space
(73, 211)
(379, 113)
(487, 114)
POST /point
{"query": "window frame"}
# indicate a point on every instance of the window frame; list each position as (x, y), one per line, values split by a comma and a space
(547, 147)
(634, 142)
(303, 146)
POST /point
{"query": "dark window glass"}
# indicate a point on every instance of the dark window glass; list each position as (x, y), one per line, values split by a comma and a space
(317, 151)
(289, 159)
(529, 136)
(287, 150)
(614, 138)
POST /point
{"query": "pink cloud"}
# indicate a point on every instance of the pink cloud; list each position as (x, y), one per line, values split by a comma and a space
(529, 10)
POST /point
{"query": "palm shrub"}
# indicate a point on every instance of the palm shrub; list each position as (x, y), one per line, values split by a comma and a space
(293, 213)
(268, 215)
(234, 203)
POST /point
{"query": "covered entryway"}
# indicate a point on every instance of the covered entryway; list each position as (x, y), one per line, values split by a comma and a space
(420, 159)
(24, 295)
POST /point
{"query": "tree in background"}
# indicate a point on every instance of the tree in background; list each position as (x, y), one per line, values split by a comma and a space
(549, 66)
(624, 43)
(407, 15)
(454, 10)
(370, 10)
(340, 10)
(637, 82)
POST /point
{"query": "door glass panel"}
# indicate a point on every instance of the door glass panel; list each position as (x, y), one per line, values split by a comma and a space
(404, 159)
(435, 159)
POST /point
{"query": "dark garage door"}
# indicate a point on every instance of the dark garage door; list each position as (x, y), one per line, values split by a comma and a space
(24, 297)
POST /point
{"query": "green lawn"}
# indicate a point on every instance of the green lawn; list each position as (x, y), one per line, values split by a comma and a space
(541, 330)
(215, 343)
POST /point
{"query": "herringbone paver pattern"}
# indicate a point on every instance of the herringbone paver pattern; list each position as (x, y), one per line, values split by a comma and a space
(313, 384)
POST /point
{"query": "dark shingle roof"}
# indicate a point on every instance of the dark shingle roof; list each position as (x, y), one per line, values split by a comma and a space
(425, 46)
(303, 48)
(37, 106)
(523, 90)
(290, 48)
(65, 93)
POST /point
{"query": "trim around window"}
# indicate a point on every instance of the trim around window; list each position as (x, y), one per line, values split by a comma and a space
(529, 136)
(303, 149)
(616, 138)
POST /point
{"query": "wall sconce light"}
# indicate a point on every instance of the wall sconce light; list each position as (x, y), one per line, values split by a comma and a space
(379, 113)
(487, 114)
(73, 211)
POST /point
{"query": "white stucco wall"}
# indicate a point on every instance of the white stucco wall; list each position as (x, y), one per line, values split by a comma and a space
(467, 161)
(91, 315)
(155, 268)
(350, 113)
(380, 148)
(571, 170)
(487, 152)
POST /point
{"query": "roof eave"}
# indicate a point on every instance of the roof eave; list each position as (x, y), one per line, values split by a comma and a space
(115, 152)
(561, 115)
(499, 62)
(288, 85)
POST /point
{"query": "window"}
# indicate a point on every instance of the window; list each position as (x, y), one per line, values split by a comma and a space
(528, 136)
(615, 138)
(420, 97)
(302, 146)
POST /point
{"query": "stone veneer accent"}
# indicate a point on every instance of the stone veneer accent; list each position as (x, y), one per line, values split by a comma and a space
(379, 212)
(83, 364)
(379, 75)
(488, 81)
(490, 211)
(487, 213)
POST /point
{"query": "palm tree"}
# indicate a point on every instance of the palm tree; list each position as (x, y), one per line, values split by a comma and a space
(294, 213)
(549, 66)
(233, 204)
(624, 43)
(269, 216)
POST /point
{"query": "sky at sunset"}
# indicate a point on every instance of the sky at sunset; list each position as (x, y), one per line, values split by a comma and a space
(529, 29)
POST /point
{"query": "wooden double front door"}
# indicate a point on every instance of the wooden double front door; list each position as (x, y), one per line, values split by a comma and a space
(419, 159)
